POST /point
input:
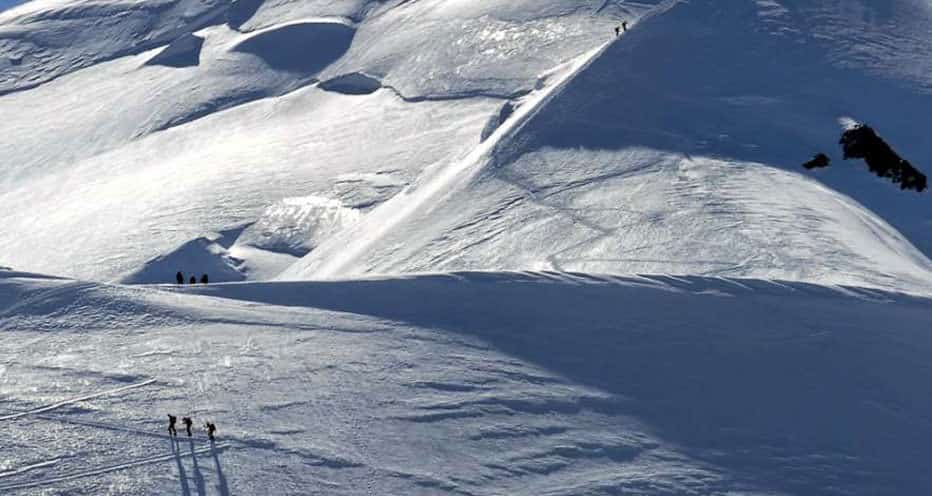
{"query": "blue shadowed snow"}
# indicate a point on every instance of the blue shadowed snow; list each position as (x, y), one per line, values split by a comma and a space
(6, 4)
(304, 47)
(515, 383)
(733, 79)
(793, 387)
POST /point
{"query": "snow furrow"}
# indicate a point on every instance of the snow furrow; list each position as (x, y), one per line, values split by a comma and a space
(67, 402)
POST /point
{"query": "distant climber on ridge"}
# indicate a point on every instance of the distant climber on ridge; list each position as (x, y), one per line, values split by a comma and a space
(179, 277)
(171, 425)
(624, 25)
(617, 31)
(204, 279)
(187, 425)
(193, 280)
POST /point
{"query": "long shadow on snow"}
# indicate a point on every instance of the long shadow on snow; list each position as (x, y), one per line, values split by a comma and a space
(708, 78)
(791, 387)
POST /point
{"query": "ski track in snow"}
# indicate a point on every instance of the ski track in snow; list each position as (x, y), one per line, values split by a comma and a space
(71, 401)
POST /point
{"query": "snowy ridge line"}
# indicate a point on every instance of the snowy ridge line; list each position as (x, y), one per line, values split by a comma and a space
(295, 22)
(395, 210)
(373, 288)
(60, 404)
(113, 468)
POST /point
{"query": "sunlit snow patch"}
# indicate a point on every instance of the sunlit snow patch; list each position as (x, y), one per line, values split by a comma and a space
(296, 226)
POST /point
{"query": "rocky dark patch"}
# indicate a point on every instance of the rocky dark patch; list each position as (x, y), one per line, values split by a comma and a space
(863, 142)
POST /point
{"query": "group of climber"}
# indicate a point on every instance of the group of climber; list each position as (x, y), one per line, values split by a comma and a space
(211, 428)
(179, 278)
(622, 28)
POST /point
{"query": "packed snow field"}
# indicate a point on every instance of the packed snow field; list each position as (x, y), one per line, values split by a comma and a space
(463, 247)
(468, 383)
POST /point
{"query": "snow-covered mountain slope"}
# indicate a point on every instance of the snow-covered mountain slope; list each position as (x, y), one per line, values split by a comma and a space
(663, 151)
(305, 142)
(470, 383)
(677, 149)
(121, 157)
(44, 39)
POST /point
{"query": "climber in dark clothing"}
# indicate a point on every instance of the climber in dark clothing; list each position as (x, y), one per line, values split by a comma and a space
(617, 31)
(193, 280)
(211, 428)
(187, 424)
(179, 277)
(204, 279)
(624, 25)
(171, 425)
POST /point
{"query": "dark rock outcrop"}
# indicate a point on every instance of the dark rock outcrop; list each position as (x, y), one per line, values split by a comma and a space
(862, 142)
(819, 161)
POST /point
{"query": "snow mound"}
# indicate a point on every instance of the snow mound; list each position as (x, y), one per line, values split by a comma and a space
(204, 255)
(252, 15)
(300, 47)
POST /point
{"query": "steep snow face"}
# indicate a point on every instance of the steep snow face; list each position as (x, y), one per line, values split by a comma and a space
(519, 384)
(678, 150)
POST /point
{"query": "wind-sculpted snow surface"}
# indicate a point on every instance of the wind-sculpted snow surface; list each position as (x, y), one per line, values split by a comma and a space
(665, 155)
(157, 192)
(44, 39)
(215, 113)
(509, 383)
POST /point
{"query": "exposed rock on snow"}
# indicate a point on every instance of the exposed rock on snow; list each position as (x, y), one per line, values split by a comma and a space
(862, 142)
(819, 161)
